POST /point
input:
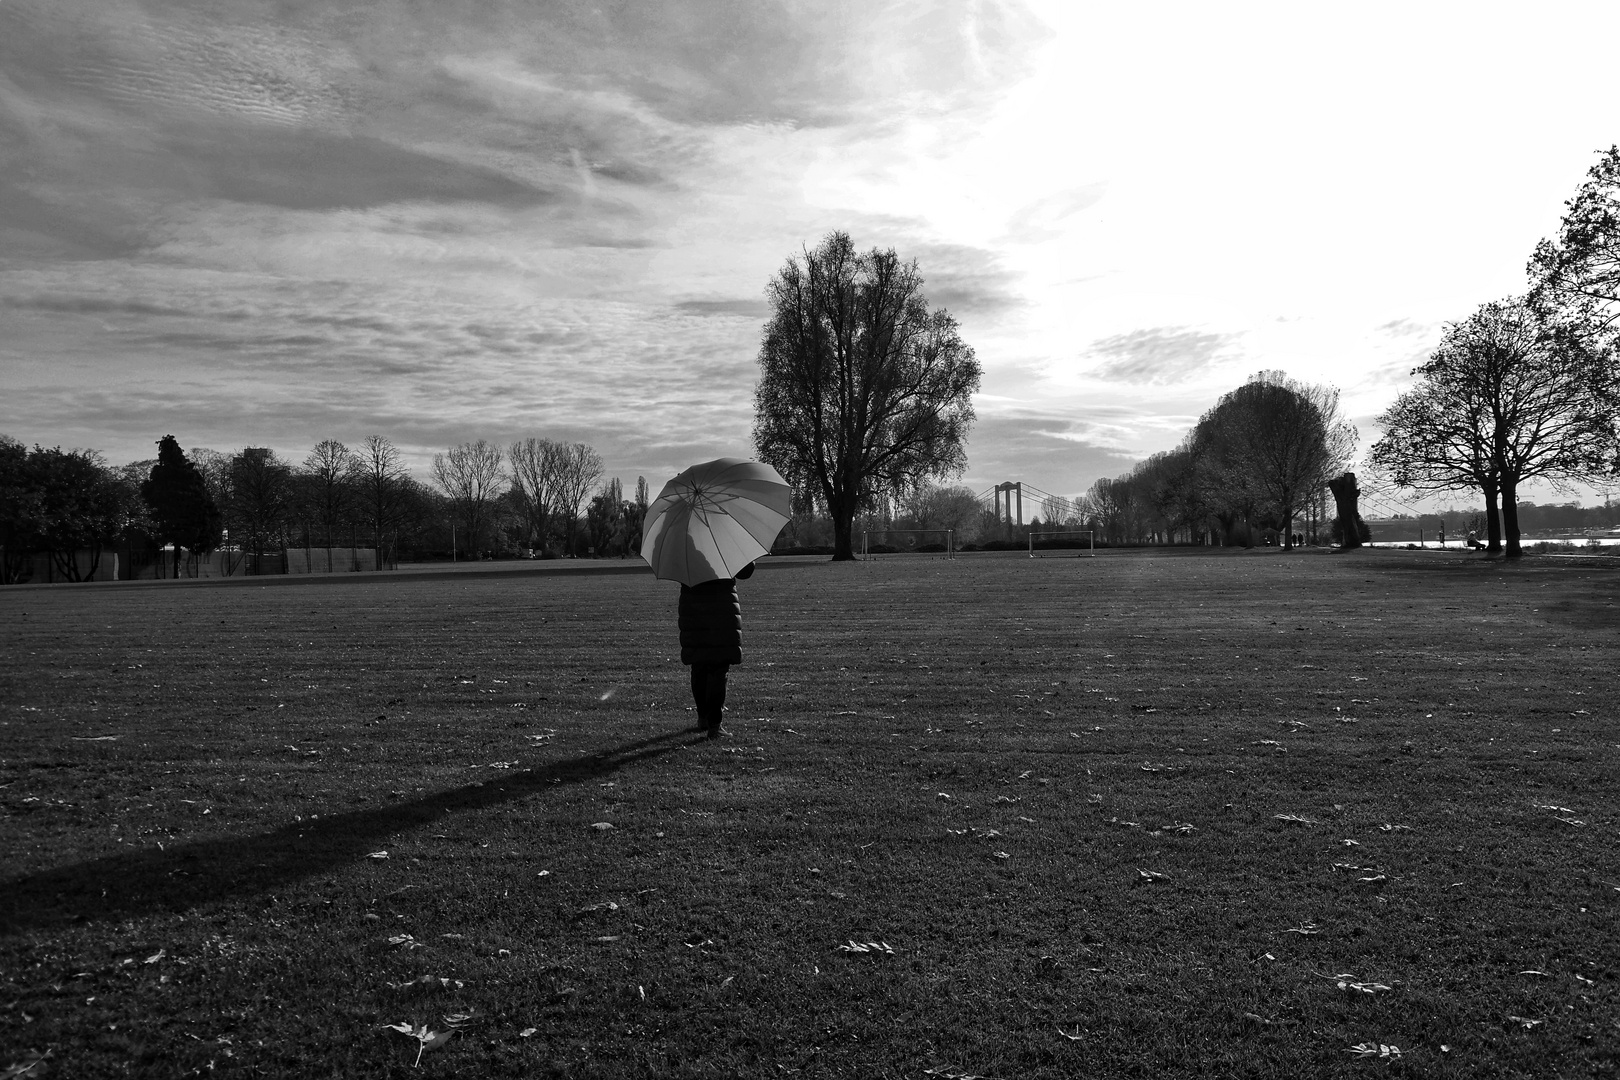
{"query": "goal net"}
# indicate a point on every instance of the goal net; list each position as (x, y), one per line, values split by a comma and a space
(938, 542)
(1069, 543)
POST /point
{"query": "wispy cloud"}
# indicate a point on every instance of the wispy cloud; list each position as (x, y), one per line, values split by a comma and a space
(1158, 356)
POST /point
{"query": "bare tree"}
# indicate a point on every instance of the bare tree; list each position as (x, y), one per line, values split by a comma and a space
(258, 503)
(535, 470)
(328, 468)
(1437, 437)
(470, 474)
(862, 388)
(578, 469)
(933, 506)
(381, 492)
(1534, 392)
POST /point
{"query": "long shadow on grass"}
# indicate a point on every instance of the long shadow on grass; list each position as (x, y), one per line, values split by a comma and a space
(207, 871)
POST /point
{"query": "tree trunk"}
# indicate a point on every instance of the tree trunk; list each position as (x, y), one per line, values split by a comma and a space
(844, 534)
(1510, 520)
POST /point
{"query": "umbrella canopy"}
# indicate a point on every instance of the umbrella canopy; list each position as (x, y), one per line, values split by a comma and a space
(714, 519)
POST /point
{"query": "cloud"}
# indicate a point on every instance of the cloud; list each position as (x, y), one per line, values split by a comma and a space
(1046, 218)
(755, 310)
(966, 280)
(1159, 356)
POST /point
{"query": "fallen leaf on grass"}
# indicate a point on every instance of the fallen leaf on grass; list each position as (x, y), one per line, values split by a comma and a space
(1554, 809)
(526, 1032)
(1145, 876)
(954, 1072)
(1001, 855)
(1538, 974)
(30, 1069)
(602, 826)
(427, 982)
(1394, 828)
(1126, 824)
(1154, 766)
(1303, 928)
(155, 957)
(875, 947)
(405, 940)
(726, 981)
(1386, 1051)
(1294, 819)
(605, 905)
(426, 1038)
(1348, 981)
(377, 855)
(1256, 1018)
(1180, 828)
(1526, 1021)
(1076, 1037)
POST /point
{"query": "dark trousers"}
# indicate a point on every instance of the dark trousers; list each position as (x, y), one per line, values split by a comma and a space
(709, 692)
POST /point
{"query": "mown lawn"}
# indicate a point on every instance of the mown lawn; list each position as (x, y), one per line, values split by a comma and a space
(1196, 814)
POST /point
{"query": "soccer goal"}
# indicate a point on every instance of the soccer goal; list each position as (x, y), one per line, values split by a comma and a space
(1059, 549)
(940, 543)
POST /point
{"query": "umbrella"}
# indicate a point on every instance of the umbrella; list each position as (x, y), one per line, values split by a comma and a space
(714, 519)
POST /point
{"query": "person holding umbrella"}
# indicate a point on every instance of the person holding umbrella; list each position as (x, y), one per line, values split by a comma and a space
(710, 620)
(705, 530)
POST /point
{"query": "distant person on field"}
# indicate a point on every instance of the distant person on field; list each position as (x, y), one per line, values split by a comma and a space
(710, 617)
(1442, 534)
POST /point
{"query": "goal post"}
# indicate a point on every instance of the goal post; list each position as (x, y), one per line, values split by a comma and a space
(940, 543)
(1074, 534)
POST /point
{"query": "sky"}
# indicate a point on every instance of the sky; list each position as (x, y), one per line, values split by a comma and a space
(253, 224)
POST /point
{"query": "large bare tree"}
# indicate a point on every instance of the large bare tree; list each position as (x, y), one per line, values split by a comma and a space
(862, 388)
(1437, 437)
(470, 475)
(1534, 392)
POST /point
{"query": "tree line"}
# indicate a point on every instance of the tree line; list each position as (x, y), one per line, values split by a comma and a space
(538, 497)
(1258, 462)
(1527, 387)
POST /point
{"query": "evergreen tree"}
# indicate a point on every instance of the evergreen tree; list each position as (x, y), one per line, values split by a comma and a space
(184, 511)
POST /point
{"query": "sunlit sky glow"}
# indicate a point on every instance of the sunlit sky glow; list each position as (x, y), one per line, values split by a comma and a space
(252, 224)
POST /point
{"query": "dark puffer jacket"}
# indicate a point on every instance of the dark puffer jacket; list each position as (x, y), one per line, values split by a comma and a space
(710, 617)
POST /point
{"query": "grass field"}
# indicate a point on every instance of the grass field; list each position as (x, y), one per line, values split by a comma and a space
(1196, 814)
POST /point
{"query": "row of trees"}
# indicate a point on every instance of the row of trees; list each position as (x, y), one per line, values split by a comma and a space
(1257, 461)
(70, 505)
(1525, 388)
